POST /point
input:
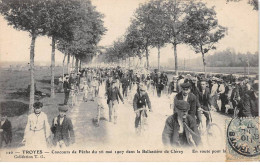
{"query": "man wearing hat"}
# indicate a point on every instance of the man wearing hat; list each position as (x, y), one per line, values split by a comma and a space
(171, 86)
(37, 130)
(189, 97)
(180, 129)
(249, 103)
(62, 129)
(141, 100)
(67, 88)
(113, 101)
(205, 99)
(214, 93)
(5, 130)
(125, 83)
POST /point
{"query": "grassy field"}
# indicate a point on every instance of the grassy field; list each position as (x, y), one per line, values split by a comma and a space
(226, 70)
(13, 86)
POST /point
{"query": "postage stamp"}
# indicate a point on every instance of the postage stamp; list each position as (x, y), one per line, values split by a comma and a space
(242, 141)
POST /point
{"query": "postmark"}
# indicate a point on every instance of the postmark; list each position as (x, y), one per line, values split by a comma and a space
(243, 138)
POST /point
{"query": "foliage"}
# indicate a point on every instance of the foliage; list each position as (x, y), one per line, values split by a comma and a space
(202, 30)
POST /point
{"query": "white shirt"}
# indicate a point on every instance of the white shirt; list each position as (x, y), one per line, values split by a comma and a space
(2, 122)
(61, 120)
(185, 98)
(221, 88)
(214, 89)
(37, 123)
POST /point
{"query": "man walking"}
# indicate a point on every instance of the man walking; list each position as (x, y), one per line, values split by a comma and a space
(5, 131)
(193, 101)
(62, 129)
(112, 101)
(67, 88)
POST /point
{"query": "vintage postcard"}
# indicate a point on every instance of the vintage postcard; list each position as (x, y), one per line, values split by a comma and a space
(129, 81)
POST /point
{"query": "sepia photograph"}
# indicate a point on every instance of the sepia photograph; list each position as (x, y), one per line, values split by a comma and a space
(129, 81)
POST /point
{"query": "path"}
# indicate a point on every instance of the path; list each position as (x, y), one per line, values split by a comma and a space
(123, 133)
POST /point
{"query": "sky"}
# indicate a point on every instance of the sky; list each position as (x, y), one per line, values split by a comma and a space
(239, 18)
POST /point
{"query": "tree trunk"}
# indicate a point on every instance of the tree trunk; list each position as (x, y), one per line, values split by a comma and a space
(147, 58)
(77, 65)
(80, 65)
(68, 64)
(129, 62)
(52, 67)
(63, 66)
(203, 60)
(72, 63)
(158, 58)
(176, 59)
(204, 64)
(32, 91)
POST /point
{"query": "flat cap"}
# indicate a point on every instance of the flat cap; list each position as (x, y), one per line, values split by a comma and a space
(185, 85)
(182, 105)
(63, 108)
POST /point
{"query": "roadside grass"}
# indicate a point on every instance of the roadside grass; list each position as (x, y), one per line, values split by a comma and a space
(15, 99)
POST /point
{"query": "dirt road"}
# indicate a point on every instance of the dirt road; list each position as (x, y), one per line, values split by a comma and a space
(123, 133)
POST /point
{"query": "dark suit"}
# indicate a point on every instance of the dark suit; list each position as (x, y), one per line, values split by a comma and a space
(6, 135)
(171, 135)
(63, 132)
(205, 102)
(194, 104)
(66, 87)
(249, 105)
(113, 94)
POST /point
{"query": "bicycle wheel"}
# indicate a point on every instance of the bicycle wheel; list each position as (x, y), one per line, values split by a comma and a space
(214, 135)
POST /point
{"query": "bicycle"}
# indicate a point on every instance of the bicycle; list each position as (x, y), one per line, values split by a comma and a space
(142, 125)
(213, 132)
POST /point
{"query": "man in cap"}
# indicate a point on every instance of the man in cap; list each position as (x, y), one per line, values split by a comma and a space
(249, 103)
(193, 101)
(67, 88)
(37, 130)
(62, 129)
(5, 131)
(180, 129)
(141, 100)
(125, 83)
(113, 101)
(205, 99)
(109, 82)
(171, 86)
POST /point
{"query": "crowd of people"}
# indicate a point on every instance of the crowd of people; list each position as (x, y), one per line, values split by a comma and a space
(192, 96)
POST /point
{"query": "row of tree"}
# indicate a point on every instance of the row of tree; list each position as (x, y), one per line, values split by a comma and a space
(74, 26)
(160, 22)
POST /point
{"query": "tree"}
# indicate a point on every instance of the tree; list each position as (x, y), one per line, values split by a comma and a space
(87, 32)
(253, 3)
(141, 23)
(26, 15)
(59, 24)
(157, 26)
(174, 11)
(202, 30)
(135, 42)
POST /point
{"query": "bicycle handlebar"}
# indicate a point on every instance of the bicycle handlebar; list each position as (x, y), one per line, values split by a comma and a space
(140, 109)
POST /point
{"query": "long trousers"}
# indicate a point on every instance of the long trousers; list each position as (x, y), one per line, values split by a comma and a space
(67, 94)
(113, 107)
(125, 91)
